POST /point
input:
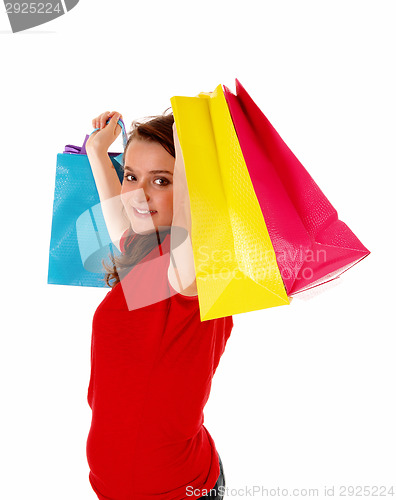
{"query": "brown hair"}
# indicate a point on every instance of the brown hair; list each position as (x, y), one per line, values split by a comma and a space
(136, 246)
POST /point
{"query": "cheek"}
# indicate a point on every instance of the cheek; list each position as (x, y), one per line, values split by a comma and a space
(126, 197)
(125, 194)
(169, 200)
(125, 187)
(166, 207)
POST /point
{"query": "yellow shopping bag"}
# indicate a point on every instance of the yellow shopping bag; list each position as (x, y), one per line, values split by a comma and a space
(235, 263)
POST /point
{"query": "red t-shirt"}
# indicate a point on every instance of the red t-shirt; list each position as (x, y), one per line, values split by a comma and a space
(151, 375)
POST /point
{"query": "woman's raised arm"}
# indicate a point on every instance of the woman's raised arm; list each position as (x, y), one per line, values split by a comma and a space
(106, 178)
(181, 272)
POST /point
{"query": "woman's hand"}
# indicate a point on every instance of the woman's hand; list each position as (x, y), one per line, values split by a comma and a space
(101, 140)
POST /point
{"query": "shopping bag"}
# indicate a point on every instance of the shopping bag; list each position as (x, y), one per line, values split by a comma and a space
(312, 245)
(79, 237)
(235, 263)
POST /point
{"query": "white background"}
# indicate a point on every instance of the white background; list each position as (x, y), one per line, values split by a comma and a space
(304, 396)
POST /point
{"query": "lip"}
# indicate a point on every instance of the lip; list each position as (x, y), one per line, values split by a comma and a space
(143, 216)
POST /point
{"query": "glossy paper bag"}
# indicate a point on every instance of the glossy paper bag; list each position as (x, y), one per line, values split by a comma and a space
(79, 237)
(312, 245)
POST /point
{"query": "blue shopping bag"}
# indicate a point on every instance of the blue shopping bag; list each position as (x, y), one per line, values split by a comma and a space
(79, 237)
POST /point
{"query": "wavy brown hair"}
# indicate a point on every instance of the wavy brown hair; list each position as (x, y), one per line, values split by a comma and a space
(136, 246)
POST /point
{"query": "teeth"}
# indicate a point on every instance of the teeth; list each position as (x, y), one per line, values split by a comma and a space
(144, 211)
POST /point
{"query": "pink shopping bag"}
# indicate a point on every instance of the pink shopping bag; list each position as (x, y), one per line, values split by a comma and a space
(311, 244)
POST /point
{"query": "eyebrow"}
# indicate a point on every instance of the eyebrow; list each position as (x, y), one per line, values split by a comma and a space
(130, 169)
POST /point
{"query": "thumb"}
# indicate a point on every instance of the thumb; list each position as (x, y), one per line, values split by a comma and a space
(113, 123)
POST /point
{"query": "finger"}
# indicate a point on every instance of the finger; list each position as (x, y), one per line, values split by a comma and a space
(108, 116)
(114, 122)
(113, 113)
(95, 121)
(103, 118)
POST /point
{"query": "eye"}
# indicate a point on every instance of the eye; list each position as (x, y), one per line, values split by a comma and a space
(128, 175)
(164, 183)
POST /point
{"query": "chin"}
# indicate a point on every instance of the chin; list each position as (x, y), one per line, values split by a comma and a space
(144, 228)
(148, 226)
(140, 230)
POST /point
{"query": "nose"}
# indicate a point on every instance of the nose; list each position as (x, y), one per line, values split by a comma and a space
(141, 195)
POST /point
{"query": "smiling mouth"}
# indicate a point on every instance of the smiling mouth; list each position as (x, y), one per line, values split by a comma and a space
(144, 213)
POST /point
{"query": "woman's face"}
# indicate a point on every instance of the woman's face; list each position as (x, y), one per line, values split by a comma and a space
(148, 186)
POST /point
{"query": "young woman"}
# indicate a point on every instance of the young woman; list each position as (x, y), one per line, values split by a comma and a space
(152, 359)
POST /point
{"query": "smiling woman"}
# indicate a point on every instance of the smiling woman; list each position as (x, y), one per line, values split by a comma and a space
(152, 358)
